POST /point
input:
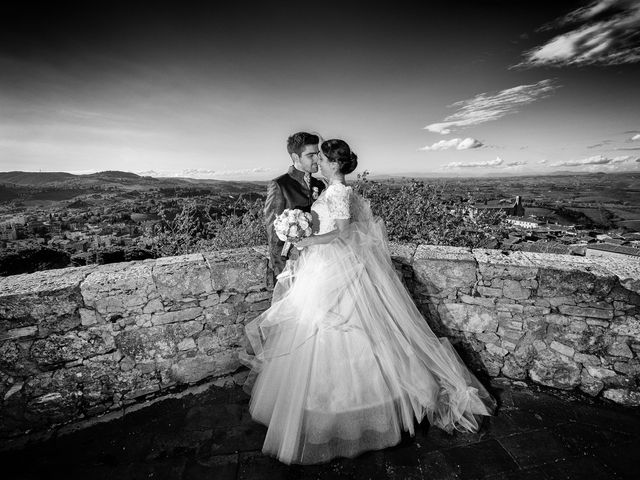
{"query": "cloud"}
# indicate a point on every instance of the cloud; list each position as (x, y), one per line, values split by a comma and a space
(204, 173)
(487, 107)
(595, 160)
(636, 137)
(606, 32)
(489, 163)
(515, 164)
(544, 160)
(457, 143)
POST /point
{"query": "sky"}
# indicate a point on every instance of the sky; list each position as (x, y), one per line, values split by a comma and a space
(433, 88)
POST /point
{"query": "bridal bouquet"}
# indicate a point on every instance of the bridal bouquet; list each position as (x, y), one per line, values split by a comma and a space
(290, 226)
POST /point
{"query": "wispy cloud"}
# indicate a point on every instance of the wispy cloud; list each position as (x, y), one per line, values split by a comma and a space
(636, 137)
(595, 160)
(489, 163)
(204, 173)
(515, 164)
(457, 143)
(486, 107)
(606, 32)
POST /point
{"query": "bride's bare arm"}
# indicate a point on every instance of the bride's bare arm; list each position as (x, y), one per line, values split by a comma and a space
(325, 237)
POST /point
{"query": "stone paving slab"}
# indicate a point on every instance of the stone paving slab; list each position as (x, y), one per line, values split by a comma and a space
(537, 434)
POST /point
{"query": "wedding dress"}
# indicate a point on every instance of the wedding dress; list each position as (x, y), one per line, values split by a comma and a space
(344, 361)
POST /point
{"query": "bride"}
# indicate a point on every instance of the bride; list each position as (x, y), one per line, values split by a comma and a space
(344, 361)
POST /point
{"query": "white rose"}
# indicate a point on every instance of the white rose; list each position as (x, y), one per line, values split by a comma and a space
(303, 223)
(307, 231)
(293, 231)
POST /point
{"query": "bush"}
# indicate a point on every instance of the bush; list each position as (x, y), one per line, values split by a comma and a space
(418, 212)
(413, 211)
(196, 229)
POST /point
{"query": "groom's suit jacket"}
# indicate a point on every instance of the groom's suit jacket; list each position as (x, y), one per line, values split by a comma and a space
(286, 191)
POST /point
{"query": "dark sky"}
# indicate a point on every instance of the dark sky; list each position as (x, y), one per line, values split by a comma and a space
(218, 88)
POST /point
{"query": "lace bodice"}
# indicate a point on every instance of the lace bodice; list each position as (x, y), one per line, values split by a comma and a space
(332, 204)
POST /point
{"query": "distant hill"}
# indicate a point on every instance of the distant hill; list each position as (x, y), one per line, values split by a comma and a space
(63, 185)
(34, 178)
(114, 174)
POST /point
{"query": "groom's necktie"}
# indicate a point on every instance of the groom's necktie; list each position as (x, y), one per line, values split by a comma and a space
(307, 179)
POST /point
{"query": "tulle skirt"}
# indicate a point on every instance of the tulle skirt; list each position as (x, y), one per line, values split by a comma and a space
(344, 361)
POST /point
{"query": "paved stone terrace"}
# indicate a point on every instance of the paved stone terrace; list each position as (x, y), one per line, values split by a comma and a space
(537, 434)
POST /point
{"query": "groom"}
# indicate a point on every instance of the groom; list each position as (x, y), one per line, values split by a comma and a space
(295, 189)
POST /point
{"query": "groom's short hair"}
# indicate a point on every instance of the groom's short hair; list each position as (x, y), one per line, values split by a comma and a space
(297, 141)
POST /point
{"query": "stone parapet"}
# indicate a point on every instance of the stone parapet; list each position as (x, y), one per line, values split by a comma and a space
(558, 320)
(80, 342)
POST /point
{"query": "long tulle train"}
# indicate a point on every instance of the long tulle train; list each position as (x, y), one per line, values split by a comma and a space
(344, 361)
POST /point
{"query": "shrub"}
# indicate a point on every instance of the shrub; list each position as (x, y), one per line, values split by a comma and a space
(197, 228)
(418, 212)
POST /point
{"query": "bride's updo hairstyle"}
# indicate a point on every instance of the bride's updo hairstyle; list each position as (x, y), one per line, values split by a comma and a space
(338, 151)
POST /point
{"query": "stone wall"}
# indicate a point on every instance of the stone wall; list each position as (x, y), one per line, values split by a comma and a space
(557, 320)
(79, 342)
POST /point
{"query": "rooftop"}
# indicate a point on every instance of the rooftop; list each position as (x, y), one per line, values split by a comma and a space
(207, 433)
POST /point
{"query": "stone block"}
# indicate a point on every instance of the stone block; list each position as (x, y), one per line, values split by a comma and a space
(238, 270)
(467, 318)
(599, 372)
(183, 276)
(119, 288)
(561, 348)
(619, 349)
(513, 308)
(209, 343)
(492, 363)
(402, 252)
(58, 348)
(513, 265)
(554, 370)
(558, 319)
(623, 396)
(186, 344)
(440, 277)
(89, 317)
(586, 359)
(163, 318)
(49, 298)
(222, 314)
(256, 297)
(191, 370)
(557, 301)
(585, 281)
(471, 300)
(153, 306)
(488, 337)
(210, 301)
(490, 291)
(590, 385)
(513, 369)
(157, 342)
(585, 312)
(17, 333)
(512, 289)
(595, 321)
(627, 326)
(536, 310)
(510, 334)
(496, 350)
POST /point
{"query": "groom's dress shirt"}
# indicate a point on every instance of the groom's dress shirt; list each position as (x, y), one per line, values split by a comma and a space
(287, 191)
